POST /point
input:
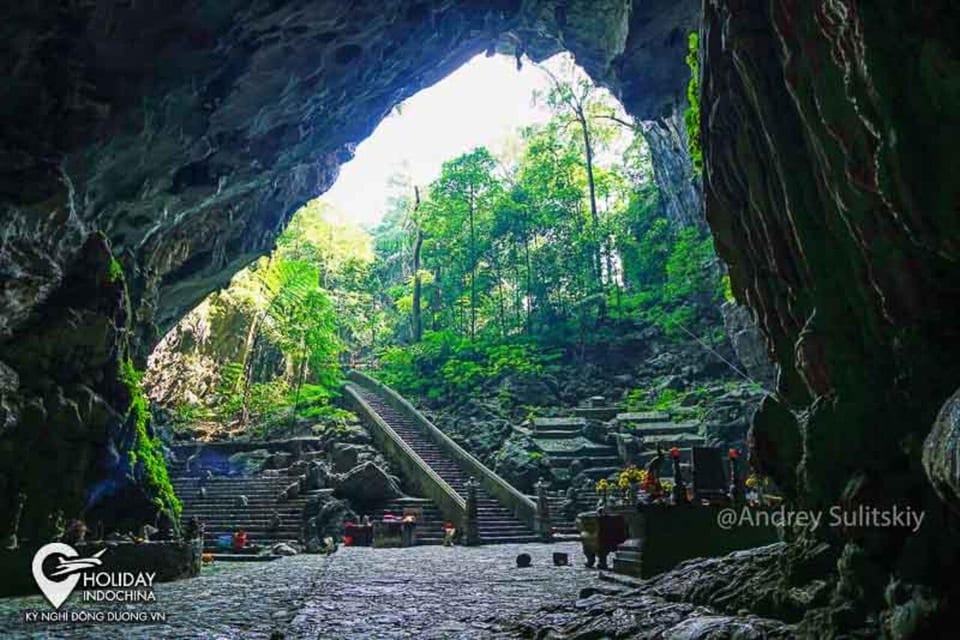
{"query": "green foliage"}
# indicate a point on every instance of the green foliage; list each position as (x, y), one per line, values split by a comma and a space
(691, 116)
(636, 400)
(445, 365)
(114, 270)
(145, 456)
(667, 399)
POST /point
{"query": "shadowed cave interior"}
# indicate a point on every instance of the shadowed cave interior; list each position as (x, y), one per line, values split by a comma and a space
(150, 152)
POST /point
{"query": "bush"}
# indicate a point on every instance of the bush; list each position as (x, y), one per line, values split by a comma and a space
(445, 365)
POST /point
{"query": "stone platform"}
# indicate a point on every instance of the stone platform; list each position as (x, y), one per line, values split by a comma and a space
(359, 592)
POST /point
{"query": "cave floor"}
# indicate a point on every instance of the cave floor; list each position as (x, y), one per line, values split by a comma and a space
(359, 592)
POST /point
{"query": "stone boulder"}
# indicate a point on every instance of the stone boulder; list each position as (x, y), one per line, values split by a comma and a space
(317, 476)
(367, 484)
(283, 549)
(597, 431)
(941, 453)
(351, 433)
(533, 390)
(325, 516)
(521, 463)
(344, 457)
(248, 463)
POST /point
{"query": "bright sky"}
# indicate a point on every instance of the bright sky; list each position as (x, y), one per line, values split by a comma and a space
(480, 104)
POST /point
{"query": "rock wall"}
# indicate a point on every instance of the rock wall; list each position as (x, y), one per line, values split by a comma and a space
(187, 365)
(188, 134)
(73, 438)
(680, 189)
(749, 344)
(832, 190)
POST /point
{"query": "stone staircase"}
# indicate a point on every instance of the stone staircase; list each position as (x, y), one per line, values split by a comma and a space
(495, 523)
(221, 514)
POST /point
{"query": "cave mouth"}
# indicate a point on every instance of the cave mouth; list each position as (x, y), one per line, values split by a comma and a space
(551, 173)
(140, 172)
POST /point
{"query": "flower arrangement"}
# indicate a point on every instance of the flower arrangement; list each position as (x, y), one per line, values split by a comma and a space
(602, 486)
(631, 475)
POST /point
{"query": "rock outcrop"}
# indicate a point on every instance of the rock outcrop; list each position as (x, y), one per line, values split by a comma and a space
(941, 453)
(367, 484)
(831, 186)
(188, 135)
(749, 345)
(679, 187)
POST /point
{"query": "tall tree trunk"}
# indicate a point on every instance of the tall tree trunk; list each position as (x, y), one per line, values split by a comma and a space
(246, 377)
(529, 303)
(592, 187)
(301, 374)
(501, 302)
(417, 319)
(473, 271)
(594, 214)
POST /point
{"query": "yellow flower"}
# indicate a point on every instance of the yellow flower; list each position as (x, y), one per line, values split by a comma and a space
(603, 485)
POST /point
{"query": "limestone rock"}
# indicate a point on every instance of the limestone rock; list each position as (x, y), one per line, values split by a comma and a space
(941, 453)
(521, 463)
(344, 457)
(775, 444)
(749, 344)
(248, 463)
(679, 186)
(367, 484)
(283, 549)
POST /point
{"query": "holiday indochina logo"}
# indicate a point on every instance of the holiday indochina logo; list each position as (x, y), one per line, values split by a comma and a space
(59, 569)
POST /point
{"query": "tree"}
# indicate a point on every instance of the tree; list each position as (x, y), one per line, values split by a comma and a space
(457, 215)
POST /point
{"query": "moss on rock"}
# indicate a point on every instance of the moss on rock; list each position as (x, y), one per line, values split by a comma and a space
(145, 457)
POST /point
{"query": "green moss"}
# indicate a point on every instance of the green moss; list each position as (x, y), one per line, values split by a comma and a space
(726, 288)
(146, 456)
(115, 271)
(691, 116)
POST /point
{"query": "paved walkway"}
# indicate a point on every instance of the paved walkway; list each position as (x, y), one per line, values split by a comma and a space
(423, 592)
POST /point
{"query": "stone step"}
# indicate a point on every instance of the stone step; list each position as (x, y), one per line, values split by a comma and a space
(557, 423)
(582, 452)
(603, 414)
(665, 428)
(226, 515)
(641, 417)
(244, 522)
(245, 481)
(586, 463)
(555, 435)
(687, 439)
(243, 557)
(509, 539)
(601, 472)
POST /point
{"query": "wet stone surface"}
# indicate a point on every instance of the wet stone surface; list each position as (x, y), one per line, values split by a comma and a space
(423, 592)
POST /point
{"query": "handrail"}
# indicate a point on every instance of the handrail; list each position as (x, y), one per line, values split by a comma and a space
(522, 507)
(451, 504)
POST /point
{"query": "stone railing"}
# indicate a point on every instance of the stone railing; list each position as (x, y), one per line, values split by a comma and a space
(522, 506)
(451, 504)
